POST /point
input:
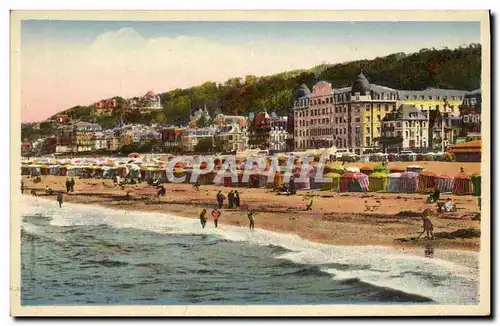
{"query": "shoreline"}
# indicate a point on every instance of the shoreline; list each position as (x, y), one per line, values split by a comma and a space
(345, 224)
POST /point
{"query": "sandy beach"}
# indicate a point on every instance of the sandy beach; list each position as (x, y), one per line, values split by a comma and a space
(336, 218)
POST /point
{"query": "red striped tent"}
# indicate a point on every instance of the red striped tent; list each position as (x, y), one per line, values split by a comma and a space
(444, 183)
(426, 182)
(394, 182)
(462, 184)
(409, 182)
(360, 183)
(345, 182)
(392, 157)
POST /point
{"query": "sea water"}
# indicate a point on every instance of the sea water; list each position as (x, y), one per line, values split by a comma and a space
(85, 255)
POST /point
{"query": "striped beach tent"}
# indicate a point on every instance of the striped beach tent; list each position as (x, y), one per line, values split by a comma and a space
(444, 183)
(409, 182)
(346, 180)
(462, 184)
(378, 181)
(476, 182)
(426, 182)
(394, 182)
(360, 183)
(333, 184)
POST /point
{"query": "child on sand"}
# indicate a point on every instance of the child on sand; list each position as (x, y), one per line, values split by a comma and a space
(428, 227)
(251, 218)
(216, 214)
(60, 199)
(203, 218)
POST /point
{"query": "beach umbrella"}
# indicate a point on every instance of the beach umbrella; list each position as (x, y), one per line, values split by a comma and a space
(381, 168)
(133, 155)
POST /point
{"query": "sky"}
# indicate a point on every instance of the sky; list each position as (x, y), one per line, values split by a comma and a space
(69, 63)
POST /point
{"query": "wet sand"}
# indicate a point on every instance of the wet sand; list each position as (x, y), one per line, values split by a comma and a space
(336, 218)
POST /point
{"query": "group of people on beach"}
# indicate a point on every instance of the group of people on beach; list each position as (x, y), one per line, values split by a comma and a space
(233, 198)
(216, 214)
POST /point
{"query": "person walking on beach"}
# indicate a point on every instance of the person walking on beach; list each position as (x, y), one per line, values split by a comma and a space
(72, 185)
(203, 218)
(236, 199)
(251, 219)
(428, 227)
(230, 199)
(60, 199)
(216, 214)
(68, 185)
(220, 199)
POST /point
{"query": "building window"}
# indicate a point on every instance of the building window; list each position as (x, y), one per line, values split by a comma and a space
(358, 120)
(323, 111)
(367, 141)
(368, 118)
(367, 130)
(345, 109)
(358, 130)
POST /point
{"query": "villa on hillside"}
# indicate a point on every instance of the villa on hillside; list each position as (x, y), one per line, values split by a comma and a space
(145, 104)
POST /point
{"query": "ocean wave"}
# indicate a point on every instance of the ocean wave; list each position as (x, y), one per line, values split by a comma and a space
(440, 280)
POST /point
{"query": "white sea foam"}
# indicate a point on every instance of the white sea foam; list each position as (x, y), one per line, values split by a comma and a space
(442, 280)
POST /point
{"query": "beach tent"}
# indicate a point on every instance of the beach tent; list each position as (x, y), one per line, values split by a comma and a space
(426, 182)
(394, 182)
(305, 184)
(346, 180)
(414, 168)
(476, 182)
(366, 170)
(409, 182)
(208, 178)
(462, 184)
(333, 184)
(378, 181)
(444, 183)
(360, 183)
